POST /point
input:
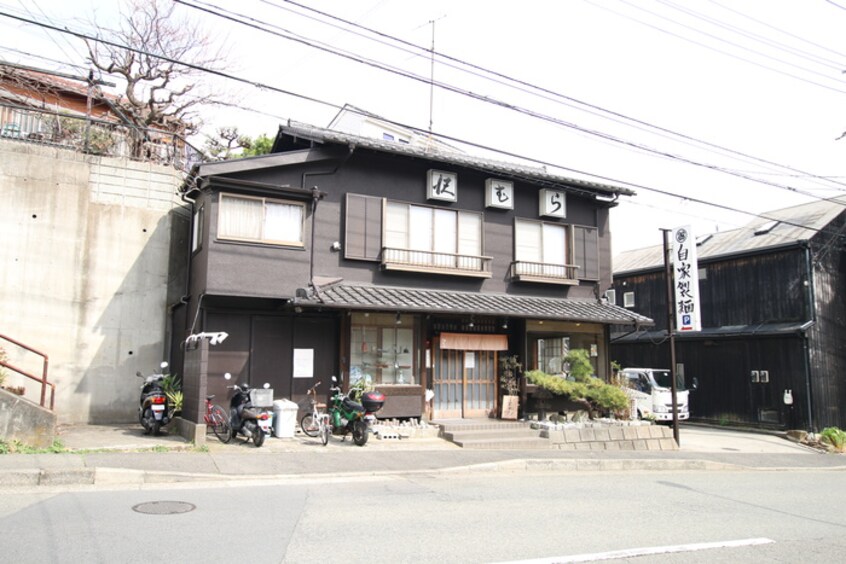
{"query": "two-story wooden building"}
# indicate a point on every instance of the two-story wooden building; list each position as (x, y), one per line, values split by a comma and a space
(413, 269)
(772, 349)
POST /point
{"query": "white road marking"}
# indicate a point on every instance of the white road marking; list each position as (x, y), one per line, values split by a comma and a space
(633, 552)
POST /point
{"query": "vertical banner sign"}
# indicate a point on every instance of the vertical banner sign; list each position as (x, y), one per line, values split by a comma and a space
(686, 278)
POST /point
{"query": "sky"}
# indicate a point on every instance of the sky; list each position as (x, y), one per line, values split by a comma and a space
(755, 88)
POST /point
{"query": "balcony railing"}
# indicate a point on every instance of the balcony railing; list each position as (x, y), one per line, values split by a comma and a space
(436, 262)
(525, 271)
(97, 137)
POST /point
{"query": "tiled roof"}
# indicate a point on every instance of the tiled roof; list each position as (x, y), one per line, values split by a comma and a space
(537, 174)
(788, 226)
(445, 301)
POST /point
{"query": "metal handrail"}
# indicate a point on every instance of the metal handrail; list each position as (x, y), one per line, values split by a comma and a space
(42, 379)
(96, 136)
(434, 260)
(543, 270)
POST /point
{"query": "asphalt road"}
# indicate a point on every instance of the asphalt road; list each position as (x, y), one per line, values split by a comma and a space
(731, 516)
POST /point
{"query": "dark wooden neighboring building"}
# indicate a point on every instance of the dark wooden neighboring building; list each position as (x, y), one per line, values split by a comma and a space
(773, 319)
(415, 269)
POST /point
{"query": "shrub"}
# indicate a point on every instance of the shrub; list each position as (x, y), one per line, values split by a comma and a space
(835, 437)
(593, 391)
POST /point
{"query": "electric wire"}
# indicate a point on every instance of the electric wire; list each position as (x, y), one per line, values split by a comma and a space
(257, 84)
(554, 95)
(726, 53)
(795, 51)
(503, 104)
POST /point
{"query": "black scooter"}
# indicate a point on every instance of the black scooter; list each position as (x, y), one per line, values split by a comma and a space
(249, 413)
(153, 409)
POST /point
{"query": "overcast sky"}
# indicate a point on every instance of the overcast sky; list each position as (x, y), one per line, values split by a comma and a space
(762, 79)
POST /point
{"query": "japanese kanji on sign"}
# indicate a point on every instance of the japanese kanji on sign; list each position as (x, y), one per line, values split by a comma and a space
(686, 280)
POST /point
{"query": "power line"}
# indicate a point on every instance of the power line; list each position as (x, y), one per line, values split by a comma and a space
(419, 131)
(496, 102)
(600, 111)
(728, 54)
(795, 51)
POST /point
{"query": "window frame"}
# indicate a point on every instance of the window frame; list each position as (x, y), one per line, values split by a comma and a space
(264, 201)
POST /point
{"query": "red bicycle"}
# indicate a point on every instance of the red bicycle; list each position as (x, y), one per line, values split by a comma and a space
(216, 419)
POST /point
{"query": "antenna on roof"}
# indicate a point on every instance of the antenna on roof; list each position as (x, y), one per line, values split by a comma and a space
(432, 74)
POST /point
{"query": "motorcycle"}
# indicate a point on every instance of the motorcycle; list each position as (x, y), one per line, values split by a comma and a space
(249, 412)
(153, 409)
(347, 416)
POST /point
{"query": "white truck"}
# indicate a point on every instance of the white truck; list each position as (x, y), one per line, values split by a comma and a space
(649, 390)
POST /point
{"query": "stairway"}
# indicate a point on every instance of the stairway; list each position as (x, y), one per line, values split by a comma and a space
(492, 434)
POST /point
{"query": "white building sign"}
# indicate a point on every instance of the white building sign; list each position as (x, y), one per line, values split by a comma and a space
(499, 194)
(686, 280)
(553, 203)
(442, 186)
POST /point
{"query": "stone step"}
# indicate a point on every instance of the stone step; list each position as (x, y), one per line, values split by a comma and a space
(525, 443)
(506, 434)
(482, 426)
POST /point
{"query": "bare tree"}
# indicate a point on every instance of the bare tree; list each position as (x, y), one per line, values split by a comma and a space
(159, 93)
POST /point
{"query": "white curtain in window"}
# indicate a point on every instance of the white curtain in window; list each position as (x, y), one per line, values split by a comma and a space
(396, 226)
(420, 228)
(283, 222)
(527, 241)
(470, 240)
(444, 238)
(554, 244)
(240, 218)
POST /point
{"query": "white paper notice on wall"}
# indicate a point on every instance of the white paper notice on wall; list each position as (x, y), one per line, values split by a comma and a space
(469, 359)
(303, 363)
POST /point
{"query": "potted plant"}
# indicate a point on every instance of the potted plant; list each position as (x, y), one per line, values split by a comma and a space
(509, 374)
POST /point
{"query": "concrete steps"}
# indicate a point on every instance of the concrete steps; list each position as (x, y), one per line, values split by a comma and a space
(500, 435)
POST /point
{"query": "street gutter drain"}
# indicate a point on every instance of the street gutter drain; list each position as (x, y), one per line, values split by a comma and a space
(164, 507)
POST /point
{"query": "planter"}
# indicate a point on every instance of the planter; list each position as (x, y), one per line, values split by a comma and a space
(510, 405)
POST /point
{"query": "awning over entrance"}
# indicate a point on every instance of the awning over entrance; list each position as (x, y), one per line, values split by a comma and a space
(391, 298)
(473, 342)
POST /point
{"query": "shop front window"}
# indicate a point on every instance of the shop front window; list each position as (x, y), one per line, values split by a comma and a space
(382, 349)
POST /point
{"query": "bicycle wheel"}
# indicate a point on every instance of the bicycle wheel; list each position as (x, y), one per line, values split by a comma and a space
(219, 424)
(309, 425)
(325, 430)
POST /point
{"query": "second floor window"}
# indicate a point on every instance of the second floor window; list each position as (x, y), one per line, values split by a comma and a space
(433, 237)
(262, 220)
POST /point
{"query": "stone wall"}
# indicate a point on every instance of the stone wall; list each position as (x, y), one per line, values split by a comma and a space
(611, 437)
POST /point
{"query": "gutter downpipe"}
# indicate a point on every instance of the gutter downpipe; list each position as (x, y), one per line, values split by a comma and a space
(804, 329)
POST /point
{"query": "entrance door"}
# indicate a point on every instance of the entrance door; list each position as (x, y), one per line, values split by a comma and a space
(464, 382)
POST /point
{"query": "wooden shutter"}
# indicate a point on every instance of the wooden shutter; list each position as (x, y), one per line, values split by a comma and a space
(586, 247)
(363, 235)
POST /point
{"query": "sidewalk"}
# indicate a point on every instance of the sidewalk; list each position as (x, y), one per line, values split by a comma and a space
(120, 455)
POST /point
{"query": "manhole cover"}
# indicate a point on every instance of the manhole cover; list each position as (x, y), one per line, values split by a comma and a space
(164, 507)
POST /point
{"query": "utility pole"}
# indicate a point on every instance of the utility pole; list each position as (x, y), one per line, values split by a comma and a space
(671, 323)
(432, 75)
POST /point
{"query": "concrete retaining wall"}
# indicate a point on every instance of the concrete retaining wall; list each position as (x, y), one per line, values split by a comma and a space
(85, 270)
(26, 422)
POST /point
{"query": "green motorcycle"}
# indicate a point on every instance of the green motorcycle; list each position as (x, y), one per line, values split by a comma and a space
(347, 416)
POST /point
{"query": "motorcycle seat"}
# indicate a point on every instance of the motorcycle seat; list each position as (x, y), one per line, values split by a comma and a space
(352, 405)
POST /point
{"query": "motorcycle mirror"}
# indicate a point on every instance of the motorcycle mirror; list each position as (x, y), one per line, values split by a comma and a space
(228, 376)
(163, 365)
(266, 386)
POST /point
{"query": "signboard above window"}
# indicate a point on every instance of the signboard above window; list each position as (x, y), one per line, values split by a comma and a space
(499, 194)
(553, 203)
(442, 185)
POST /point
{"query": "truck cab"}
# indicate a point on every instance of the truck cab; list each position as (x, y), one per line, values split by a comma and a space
(650, 391)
